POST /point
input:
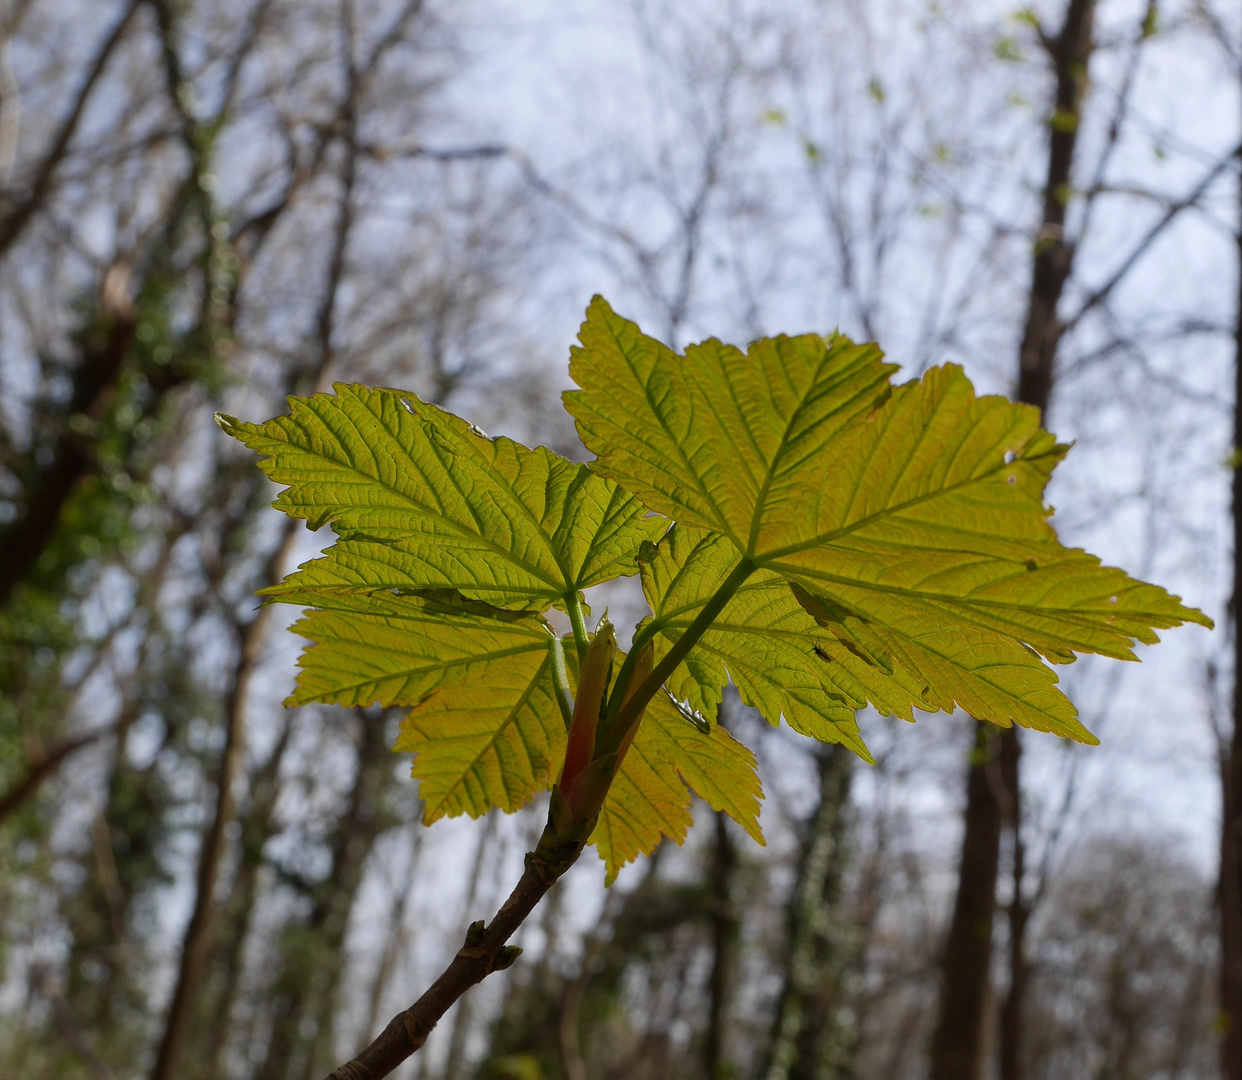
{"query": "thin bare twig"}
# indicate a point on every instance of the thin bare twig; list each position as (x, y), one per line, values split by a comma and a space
(474, 961)
(20, 214)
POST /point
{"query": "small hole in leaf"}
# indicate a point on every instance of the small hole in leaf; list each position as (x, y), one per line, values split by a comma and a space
(1011, 479)
(1112, 599)
(1009, 456)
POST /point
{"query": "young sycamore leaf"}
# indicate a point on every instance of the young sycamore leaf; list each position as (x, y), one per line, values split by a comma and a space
(422, 500)
(909, 519)
(815, 673)
(838, 542)
(484, 726)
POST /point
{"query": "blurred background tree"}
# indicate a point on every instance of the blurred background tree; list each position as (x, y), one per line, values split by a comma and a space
(212, 205)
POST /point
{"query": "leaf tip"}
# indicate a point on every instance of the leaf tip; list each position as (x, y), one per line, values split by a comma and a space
(1194, 615)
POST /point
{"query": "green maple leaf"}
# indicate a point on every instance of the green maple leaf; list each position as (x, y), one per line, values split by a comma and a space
(909, 520)
(840, 541)
(484, 727)
(439, 525)
(422, 500)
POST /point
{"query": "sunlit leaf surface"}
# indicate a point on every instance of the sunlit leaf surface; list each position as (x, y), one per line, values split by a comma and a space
(910, 519)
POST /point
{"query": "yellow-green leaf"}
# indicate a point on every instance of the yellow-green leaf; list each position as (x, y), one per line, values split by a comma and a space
(492, 739)
(913, 515)
(763, 640)
(484, 728)
(420, 499)
(720, 438)
(649, 799)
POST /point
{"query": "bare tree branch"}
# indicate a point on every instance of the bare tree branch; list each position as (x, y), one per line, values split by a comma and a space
(18, 216)
(45, 766)
(479, 957)
(1102, 292)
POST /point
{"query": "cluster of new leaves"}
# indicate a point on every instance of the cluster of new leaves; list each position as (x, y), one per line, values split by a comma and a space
(820, 537)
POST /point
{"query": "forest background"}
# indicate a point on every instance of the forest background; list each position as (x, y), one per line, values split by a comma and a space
(210, 205)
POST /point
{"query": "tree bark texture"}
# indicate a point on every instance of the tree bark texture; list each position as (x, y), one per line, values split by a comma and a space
(993, 793)
(196, 944)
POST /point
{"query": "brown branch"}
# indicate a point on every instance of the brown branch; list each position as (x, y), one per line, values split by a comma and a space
(19, 216)
(1102, 293)
(485, 951)
(44, 767)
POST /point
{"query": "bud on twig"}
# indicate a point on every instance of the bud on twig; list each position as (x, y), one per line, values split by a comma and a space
(592, 686)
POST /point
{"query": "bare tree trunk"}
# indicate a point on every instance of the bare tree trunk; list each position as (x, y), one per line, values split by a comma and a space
(722, 913)
(196, 943)
(1231, 766)
(256, 828)
(811, 1039)
(957, 1041)
(312, 966)
(993, 793)
(1018, 914)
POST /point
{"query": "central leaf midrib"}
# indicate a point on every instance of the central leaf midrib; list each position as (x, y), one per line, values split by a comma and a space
(761, 496)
